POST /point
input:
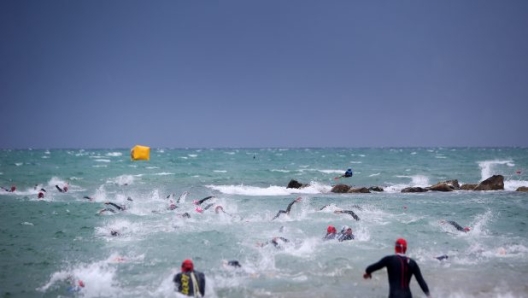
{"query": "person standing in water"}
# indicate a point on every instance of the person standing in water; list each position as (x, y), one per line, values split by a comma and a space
(400, 269)
(189, 281)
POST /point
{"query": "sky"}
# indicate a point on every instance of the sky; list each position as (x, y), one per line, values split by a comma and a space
(246, 74)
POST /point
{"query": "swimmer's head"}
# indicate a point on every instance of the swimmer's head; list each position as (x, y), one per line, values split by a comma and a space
(218, 209)
(13, 188)
(187, 265)
(199, 210)
(466, 229)
(40, 195)
(400, 246)
(331, 230)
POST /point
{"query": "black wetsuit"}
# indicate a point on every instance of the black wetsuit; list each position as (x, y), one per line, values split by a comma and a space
(60, 189)
(348, 174)
(456, 225)
(203, 200)
(344, 237)
(121, 208)
(287, 211)
(276, 243)
(185, 283)
(350, 212)
(400, 269)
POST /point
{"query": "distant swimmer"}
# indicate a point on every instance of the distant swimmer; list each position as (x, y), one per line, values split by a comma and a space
(400, 270)
(456, 225)
(40, 195)
(88, 198)
(119, 207)
(12, 189)
(172, 206)
(185, 215)
(348, 212)
(234, 263)
(442, 257)
(346, 234)
(348, 173)
(76, 284)
(331, 233)
(63, 189)
(276, 241)
(288, 209)
(203, 200)
(106, 210)
(189, 281)
(114, 233)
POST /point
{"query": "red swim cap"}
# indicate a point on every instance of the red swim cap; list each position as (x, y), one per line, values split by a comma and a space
(40, 195)
(187, 265)
(466, 229)
(400, 246)
(331, 229)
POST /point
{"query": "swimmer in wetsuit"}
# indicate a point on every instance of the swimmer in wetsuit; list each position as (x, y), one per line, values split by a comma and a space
(189, 281)
(276, 241)
(348, 212)
(400, 270)
(203, 200)
(288, 209)
(456, 225)
(63, 189)
(346, 234)
(119, 207)
(331, 233)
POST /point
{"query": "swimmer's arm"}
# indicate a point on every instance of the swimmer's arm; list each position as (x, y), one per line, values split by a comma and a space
(419, 278)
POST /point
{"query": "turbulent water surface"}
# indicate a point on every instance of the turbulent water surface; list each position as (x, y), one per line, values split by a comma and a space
(46, 243)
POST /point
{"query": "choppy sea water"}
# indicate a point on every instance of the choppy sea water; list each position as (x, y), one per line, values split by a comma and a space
(44, 243)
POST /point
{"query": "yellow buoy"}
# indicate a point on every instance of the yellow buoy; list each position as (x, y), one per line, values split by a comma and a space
(140, 153)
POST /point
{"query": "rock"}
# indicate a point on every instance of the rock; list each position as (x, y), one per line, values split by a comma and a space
(414, 189)
(468, 186)
(296, 184)
(340, 188)
(523, 188)
(375, 188)
(358, 190)
(495, 182)
(442, 186)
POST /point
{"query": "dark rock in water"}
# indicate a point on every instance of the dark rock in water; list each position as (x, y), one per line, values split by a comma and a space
(414, 189)
(442, 186)
(448, 185)
(340, 188)
(358, 190)
(375, 188)
(523, 188)
(495, 182)
(296, 184)
(468, 186)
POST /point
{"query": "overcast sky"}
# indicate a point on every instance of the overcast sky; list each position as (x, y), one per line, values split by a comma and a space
(178, 74)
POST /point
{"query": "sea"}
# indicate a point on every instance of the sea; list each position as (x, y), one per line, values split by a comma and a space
(50, 246)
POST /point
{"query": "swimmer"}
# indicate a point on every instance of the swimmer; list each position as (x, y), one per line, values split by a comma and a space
(12, 189)
(88, 198)
(234, 263)
(442, 257)
(172, 206)
(331, 233)
(119, 207)
(190, 282)
(456, 225)
(276, 241)
(288, 209)
(348, 173)
(202, 200)
(346, 234)
(348, 212)
(114, 233)
(40, 195)
(106, 210)
(400, 270)
(63, 189)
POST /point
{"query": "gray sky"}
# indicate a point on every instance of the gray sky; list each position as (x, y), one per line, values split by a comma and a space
(112, 74)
